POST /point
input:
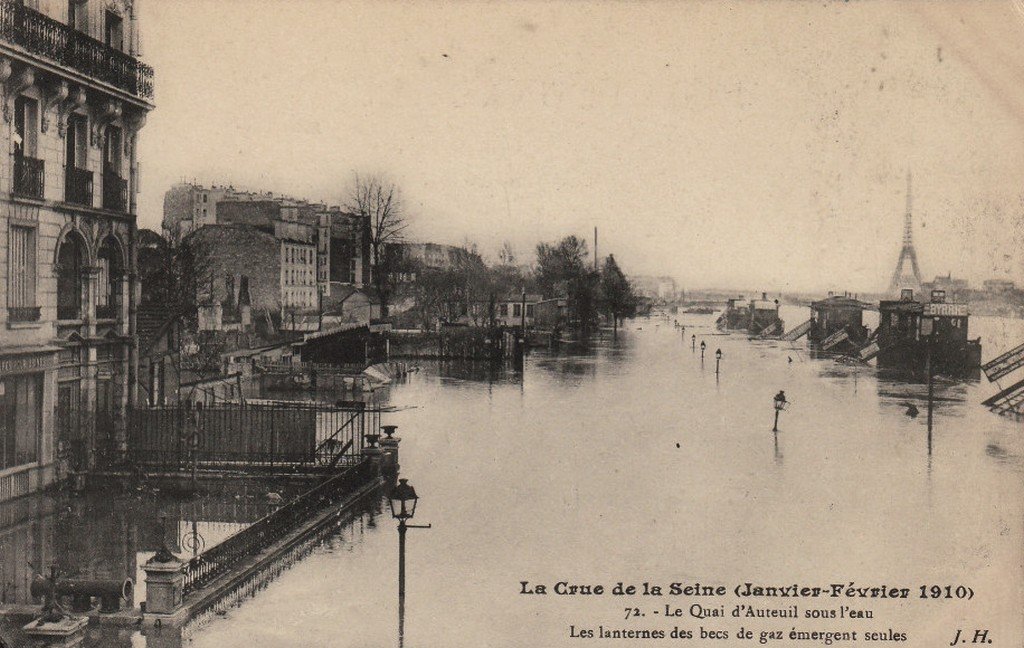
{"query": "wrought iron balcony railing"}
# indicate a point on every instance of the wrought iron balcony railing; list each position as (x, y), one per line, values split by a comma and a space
(23, 313)
(29, 175)
(115, 192)
(78, 186)
(62, 44)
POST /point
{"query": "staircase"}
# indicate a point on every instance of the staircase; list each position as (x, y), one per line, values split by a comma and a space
(1011, 399)
(1007, 401)
(798, 332)
(834, 339)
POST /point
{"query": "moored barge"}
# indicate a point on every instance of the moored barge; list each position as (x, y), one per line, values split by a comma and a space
(735, 317)
(911, 334)
(837, 324)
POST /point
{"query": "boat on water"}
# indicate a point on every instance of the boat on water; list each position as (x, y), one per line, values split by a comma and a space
(912, 334)
(758, 317)
(837, 324)
(735, 317)
(764, 317)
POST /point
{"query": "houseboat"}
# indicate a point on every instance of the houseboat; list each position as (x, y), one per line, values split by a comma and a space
(837, 324)
(764, 317)
(910, 332)
(735, 317)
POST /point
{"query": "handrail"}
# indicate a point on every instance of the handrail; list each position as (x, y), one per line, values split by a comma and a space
(219, 559)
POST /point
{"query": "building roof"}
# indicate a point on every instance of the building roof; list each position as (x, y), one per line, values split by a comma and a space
(839, 301)
(150, 324)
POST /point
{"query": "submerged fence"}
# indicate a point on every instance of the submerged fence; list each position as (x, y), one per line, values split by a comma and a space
(265, 436)
(221, 558)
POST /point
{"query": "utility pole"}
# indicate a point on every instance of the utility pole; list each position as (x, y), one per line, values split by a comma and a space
(595, 249)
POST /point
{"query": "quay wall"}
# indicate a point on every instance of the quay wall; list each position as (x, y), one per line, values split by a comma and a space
(455, 344)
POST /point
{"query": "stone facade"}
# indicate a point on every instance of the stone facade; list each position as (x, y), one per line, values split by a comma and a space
(68, 179)
(321, 250)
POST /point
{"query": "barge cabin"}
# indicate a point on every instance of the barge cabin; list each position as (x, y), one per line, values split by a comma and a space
(910, 331)
(764, 317)
(837, 324)
(735, 317)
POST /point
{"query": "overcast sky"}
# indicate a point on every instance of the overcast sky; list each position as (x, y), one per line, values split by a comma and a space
(755, 144)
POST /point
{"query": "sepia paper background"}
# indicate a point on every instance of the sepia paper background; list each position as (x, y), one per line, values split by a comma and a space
(734, 145)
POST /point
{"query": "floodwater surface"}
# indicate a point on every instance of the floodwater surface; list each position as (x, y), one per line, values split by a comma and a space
(632, 462)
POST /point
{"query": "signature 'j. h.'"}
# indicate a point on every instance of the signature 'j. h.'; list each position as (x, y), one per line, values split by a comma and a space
(980, 637)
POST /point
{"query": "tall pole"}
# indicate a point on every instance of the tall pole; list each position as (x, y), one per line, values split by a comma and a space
(522, 321)
(401, 583)
(775, 428)
(595, 249)
(931, 389)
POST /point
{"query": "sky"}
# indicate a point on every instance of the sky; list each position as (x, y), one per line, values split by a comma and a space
(762, 145)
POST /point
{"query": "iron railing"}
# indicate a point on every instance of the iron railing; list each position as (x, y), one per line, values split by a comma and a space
(221, 558)
(29, 176)
(279, 436)
(64, 45)
(115, 192)
(78, 186)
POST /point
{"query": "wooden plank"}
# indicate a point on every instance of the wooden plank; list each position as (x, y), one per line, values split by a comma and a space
(1004, 364)
(1006, 394)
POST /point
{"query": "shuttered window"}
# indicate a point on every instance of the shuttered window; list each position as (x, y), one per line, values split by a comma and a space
(22, 250)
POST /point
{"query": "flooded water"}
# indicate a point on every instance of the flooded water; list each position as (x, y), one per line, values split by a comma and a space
(632, 462)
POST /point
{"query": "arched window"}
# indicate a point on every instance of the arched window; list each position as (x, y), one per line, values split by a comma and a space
(70, 264)
(108, 301)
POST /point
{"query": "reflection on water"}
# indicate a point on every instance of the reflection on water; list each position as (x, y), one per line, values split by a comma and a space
(630, 461)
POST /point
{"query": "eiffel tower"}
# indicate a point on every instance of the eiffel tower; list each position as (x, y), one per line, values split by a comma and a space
(906, 253)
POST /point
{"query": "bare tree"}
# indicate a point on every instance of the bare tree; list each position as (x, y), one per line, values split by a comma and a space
(378, 200)
(507, 254)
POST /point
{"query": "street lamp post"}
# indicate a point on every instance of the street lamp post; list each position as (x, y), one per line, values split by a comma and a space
(718, 359)
(780, 404)
(693, 342)
(930, 370)
(703, 345)
(403, 500)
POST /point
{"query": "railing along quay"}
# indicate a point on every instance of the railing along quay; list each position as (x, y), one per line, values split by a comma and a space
(221, 558)
(52, 39)
(290, 436)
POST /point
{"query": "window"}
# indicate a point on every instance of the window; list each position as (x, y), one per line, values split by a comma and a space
(112, 150)
(76, 142)
(21, 416)
(108, 299)
(22, 265)
(113, 31)
(517, 310)
(529, 310)
(26, 116)
(78, 15)
(70, 261)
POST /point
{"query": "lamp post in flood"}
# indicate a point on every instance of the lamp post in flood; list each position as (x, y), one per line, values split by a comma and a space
(693, 342)
(718, 359)
(403, 500)
(703, 345)
(780, 404)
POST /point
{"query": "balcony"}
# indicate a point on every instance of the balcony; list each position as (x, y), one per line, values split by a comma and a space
(28, 177)
(115, 192)
(23, 314)
(78, 186)
(71, 48)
